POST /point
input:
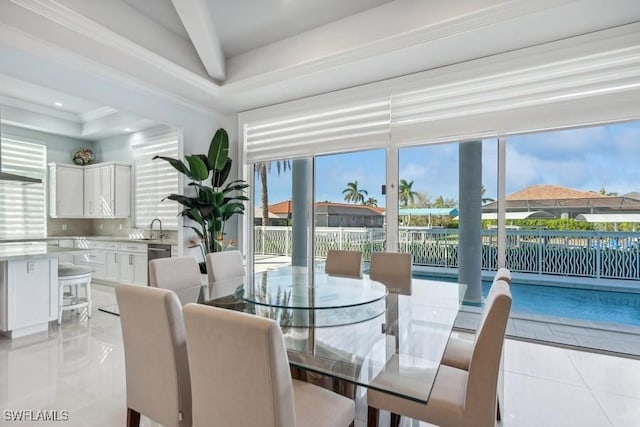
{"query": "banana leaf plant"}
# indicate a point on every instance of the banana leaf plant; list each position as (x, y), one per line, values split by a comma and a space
(213, 200)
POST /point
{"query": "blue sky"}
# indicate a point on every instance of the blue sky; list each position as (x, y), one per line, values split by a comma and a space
(583, 159)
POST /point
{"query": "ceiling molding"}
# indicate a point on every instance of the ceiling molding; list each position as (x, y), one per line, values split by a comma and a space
(274, 73)
(44, 51)
(40, 109)
(98, 113)
(40, 121)
(75, 22)
(196, 18)
(251, 69)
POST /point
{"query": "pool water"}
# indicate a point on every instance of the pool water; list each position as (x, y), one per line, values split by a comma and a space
(583, 304)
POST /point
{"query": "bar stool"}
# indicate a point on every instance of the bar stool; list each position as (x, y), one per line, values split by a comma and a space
(73, 277)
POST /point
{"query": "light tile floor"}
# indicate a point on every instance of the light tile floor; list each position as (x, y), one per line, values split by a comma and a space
(563, 331)
(79, 367)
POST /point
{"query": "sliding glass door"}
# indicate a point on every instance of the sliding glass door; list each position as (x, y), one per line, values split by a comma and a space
(349, 203)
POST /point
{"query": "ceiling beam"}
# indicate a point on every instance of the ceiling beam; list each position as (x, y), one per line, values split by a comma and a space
(197, 20)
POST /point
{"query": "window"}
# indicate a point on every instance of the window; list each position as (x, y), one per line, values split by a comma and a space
(155, 180)
(22, 206)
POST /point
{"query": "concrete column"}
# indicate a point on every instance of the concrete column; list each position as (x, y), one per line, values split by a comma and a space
(300, 205)
(470, 237)
(301, 293)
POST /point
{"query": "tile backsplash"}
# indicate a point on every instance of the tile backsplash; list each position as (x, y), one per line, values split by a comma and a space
(112, 227)
(69, 227)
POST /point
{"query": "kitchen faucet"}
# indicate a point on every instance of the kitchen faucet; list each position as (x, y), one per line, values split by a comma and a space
(161, 235)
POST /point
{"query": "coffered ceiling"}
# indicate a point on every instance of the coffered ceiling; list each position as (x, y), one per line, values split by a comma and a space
(223, 56)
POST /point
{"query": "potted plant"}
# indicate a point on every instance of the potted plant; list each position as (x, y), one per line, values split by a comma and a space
(214, 200)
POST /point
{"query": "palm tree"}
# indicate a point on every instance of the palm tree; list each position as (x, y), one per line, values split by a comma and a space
(407, 195)
(483, 199)
(607, 193)
(262, 170)
(353, 194)
(371, 201)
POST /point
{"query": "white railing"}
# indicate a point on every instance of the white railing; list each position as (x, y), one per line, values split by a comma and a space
(277, 240)
(592, 254)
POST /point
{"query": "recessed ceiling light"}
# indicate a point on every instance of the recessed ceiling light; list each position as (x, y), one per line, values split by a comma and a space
(58, 104)
(127, 129)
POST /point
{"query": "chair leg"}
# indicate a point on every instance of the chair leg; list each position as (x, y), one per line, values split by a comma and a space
(498, 416)
(133, 418)
(88, 295)
(372, 417)
(60, 302)
(395, 420)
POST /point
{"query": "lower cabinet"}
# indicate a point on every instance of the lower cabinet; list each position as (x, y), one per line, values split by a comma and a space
(94, 258)
(115, 262)
(28, 295)
(126, 267)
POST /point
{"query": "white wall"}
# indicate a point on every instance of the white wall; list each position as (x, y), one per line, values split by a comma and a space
(196, 141)
(59, 148)
(70, 74)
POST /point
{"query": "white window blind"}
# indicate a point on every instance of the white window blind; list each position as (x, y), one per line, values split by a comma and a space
(22, 206)
(516, 101)
(348, 128)
(155, 180)
(575, 82)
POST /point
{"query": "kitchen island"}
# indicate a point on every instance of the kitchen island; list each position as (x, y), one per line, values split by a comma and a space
(29, 286)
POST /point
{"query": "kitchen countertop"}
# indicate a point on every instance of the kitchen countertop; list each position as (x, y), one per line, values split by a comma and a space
(22, 251)
(105, 238)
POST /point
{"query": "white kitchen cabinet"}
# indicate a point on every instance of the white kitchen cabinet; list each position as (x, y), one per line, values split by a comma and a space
(127, 264)
(112, 266)
(107, 191)
(133, 268)
(66, 191)
(102, 190)
(91, 192)
(95, 258)
(28, 295)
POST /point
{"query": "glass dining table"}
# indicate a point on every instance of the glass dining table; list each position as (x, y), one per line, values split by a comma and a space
(345, 332)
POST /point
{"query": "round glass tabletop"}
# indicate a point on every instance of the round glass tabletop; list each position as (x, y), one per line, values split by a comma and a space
(286, 295)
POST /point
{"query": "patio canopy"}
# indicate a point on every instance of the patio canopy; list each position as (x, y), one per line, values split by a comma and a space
(610, 218)
(428, 211)
(518, 215)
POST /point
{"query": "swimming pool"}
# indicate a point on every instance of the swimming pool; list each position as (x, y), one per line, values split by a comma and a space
(583, 304)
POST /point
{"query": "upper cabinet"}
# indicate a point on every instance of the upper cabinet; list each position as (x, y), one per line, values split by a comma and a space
(103, 190)
(107, 191)
(66, 191)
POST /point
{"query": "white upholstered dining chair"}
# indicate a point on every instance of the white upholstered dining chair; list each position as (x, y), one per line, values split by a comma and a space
(461, 398)
(391, 268)
(344, 263)
(458, 351)
(224, 265)
(240, 375)
(180, 274)
(155, 352)
(174, 273)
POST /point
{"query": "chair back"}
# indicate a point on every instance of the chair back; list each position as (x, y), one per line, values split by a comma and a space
(224, 265)
(484, 368)
(503, 274)
(344, 263)
(240, 371)
(155, 351)
(392, 269)
(174, 273)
